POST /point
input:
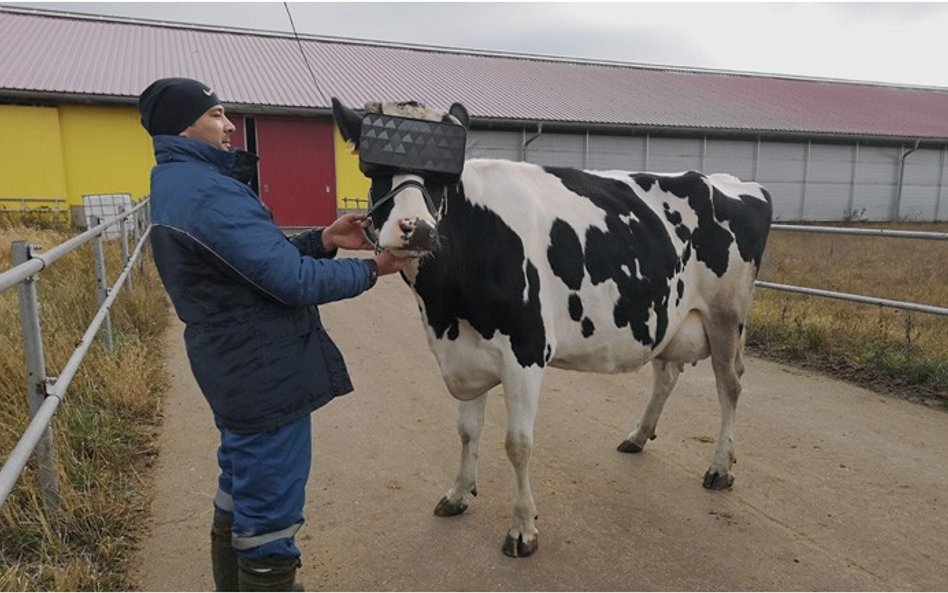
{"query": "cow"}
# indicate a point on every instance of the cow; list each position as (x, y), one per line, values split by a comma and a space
(522, 267)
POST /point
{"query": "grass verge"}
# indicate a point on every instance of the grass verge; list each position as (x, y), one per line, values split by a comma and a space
(886, 349)
(103, 431)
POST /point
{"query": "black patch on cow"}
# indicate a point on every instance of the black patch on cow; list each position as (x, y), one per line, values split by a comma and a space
(549, 353)
(671, 215)
(575, 307)
(643, 239)
(749, 220)
(380, 187)
(566, 255)
(721, 219)
(681, 291)
(588, 327)
(453, 331)
(477, 275)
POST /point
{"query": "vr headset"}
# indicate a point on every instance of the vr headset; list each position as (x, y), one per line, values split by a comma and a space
(389, 144)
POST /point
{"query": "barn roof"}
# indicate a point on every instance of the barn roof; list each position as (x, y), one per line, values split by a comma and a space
(63, 55)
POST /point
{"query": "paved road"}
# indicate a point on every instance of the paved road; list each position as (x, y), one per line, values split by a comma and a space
(837, 488)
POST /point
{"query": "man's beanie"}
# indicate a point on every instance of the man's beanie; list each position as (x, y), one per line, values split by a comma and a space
(169, 105)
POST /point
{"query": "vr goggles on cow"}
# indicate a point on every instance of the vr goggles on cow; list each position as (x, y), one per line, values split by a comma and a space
(390, 144)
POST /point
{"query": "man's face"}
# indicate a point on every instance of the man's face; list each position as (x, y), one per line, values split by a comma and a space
(211, 128)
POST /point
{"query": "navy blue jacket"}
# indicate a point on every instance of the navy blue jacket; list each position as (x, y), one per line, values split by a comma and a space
(245, 291)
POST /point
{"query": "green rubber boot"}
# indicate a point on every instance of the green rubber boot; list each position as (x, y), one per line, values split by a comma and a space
(223, 557)
(268, 574)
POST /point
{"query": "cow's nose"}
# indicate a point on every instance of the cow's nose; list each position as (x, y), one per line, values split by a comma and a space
(422, 238)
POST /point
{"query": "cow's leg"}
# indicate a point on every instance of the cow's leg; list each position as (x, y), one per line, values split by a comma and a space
(665, 374)
(728, 364)
(470, 422)
(521, 393)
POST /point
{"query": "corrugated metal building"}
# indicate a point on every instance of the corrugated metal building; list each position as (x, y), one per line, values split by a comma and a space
(827, 150)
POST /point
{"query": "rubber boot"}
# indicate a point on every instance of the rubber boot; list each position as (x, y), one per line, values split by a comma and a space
(223, 556)
(268, 574)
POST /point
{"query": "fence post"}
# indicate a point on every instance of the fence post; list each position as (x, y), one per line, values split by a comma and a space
(101, 279)
(36, 374)
(123, 225)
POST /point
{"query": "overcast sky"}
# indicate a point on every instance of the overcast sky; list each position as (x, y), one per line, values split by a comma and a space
(902, 43)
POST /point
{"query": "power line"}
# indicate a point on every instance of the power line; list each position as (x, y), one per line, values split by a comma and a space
(299, 44)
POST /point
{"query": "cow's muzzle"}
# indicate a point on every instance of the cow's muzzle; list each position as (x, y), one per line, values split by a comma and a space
(418, 236)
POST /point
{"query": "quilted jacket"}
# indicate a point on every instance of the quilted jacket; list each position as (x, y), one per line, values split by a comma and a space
(245, 291)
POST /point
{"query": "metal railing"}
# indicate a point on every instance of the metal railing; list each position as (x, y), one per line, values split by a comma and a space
(55, 208)
(857, 298)
(355, 203)
(44, 392)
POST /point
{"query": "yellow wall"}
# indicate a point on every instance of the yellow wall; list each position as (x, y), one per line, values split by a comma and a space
(31, 156)
(72, 150)
(105, 150)
(350, 182)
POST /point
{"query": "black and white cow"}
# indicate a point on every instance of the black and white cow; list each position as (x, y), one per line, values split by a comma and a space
(525, 267)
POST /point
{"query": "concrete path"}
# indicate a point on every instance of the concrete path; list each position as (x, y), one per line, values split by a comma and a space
(837, 488)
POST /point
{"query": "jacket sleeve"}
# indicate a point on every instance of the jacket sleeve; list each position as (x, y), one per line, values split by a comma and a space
(232, 223)
(311, 243)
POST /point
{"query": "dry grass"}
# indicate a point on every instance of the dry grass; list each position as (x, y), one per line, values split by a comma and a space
(103, 431)
(903, 352)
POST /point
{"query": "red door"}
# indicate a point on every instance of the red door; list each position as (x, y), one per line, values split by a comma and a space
(297, 170)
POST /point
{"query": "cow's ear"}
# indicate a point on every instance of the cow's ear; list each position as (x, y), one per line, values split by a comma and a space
(460, 113)
(349, 122)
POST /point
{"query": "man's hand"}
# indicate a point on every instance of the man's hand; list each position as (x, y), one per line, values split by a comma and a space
(389, 264)
(346, 233)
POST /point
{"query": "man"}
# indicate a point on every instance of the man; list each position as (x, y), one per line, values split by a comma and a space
(254, 338)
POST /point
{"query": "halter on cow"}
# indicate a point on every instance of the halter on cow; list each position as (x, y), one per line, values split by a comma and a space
(524, 267)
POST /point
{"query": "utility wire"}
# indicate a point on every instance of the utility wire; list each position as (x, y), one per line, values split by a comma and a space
(302, 53)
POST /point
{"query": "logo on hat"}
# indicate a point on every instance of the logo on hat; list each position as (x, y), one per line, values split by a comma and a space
(208, 92)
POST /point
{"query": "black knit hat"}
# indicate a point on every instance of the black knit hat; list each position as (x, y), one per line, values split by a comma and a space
(169, 105)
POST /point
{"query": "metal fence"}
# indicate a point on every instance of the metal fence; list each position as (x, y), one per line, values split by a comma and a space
(44, 392)
(51, 209)
(931, 236)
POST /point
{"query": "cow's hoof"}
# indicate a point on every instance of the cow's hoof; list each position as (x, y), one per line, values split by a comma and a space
(446, 508)
(517, 548)
(716, 481)
(629, 447)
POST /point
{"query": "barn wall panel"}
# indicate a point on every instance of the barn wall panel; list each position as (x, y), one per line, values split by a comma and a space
(877, 165)
(818, 183)
(830, 163)
(920, 185)
(31, 158)
(873, 202)
(782, 162)
(105, 150)
(557, 150)
(674, 155)
(494, 145)
(730, 156)
(826, 201)
(623, 153)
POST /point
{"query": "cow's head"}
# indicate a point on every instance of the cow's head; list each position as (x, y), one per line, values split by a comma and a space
(412, 154)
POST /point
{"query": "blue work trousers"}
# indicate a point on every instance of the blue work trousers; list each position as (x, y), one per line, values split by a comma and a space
(263, 485)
